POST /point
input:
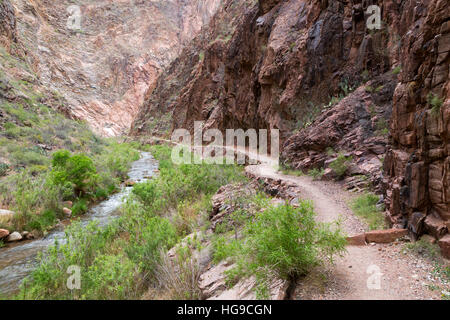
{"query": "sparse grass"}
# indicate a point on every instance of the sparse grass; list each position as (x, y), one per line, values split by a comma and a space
(364, 206)
(287, 170)
(3, 169)
(382, 127)
(423, 248)
(316, 173)
(441, 272)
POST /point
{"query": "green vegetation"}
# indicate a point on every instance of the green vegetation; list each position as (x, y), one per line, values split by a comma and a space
(286, 169)
(123, 260)
(313, 110)
(340, 165)
(435, 102)
(77, 177)
(382, 127)
(424, 248)
(201, 56)
(279, 241)
(316, 173)
(364, 206)
(397, 70)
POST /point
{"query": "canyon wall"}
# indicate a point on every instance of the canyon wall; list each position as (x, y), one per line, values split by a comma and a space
(331, 85)
(104, 67)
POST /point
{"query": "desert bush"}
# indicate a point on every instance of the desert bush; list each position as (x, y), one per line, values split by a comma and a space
(77, 169)
(340, 165)
(111, 277)
(179, 276)
(155, 234)
(79, 207)
(435, 102)
(283, 242)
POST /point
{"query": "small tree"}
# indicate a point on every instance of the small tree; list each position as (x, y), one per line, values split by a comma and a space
(78, 170)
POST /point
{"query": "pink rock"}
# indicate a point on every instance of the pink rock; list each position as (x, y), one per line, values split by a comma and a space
(3, 233)
(385, 236)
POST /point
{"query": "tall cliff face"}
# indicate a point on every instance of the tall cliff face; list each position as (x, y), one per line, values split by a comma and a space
(315, 71)
(417, 163)
(104, 68)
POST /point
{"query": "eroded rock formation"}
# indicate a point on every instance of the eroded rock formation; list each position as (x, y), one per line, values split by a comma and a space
(104, 67)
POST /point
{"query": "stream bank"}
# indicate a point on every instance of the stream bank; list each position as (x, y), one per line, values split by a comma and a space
(19, 259)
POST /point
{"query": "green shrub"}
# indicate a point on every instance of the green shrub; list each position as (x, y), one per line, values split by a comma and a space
(144, 247)
(101, 194)
(78, 169)
(282, 241)
(80, 207)
(111, 277)
(435, 102)
(42, 222)
(224, 248)
(364, 206)
(82, 245)
(340, 165)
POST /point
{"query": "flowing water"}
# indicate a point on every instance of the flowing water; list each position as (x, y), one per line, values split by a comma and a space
(18, 260)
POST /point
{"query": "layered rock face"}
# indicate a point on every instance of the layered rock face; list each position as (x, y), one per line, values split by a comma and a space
(276, 63)
(103, 57)
(417, 163)
(8, 25)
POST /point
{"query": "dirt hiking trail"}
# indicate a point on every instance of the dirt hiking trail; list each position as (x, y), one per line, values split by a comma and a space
(354, 276)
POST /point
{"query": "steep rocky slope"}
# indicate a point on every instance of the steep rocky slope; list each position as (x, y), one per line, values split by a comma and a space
(105, 66)
(315, 71)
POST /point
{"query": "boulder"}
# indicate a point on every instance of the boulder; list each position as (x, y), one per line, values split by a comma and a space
(15, 236)
(68, 204)
(3, 233)
(328, 174)
(444, 244)
(435, 226)
(67, 212)
(385, 236)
